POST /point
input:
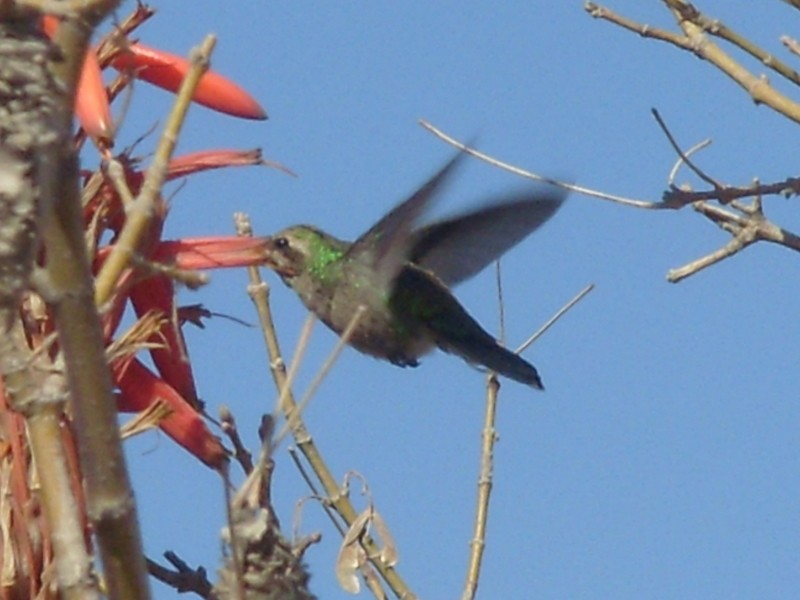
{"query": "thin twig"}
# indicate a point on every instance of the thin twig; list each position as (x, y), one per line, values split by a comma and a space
(733, 246)
(315, 492)
(748, 225)
(695, 40)
(646, 31)
(530, 175)
(341, 344)
(552, 320)
(116, 173)
(183, 579)
(791, 44)
(488, 438)
(680, 162)
(683, 156)
(283, 406)
(677, 197)
(229, 428)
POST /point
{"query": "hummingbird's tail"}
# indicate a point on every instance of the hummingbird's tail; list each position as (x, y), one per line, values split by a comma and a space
(424, 301)
(478, 347)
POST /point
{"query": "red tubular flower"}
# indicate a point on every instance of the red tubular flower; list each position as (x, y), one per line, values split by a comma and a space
(167, 71)
(205, 160)
(112, 313)
(170, 354)
(139, 388)
(91, 100)
(149, 290)
(153, 291)
(211, 252)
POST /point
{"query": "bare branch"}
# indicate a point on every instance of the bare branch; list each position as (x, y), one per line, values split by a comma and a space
(646, 31)
(679, 197)
(530, 175)
(485, 476)
(690, 20)
(719, 30)
(746, 228)
(183, 578)
(229, 428)
(791, 44)
(695, 27)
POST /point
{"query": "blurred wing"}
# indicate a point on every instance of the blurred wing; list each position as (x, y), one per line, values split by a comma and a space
(457, 249)
(388, 242)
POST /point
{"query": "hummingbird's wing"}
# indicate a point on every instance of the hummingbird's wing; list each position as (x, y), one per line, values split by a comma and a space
(456, 249)
(387, 243)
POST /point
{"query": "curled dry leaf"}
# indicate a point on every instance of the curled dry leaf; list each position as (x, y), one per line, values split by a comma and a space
(351, 554)
(388, 553)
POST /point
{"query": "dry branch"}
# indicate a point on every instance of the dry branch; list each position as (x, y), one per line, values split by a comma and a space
(697, 29)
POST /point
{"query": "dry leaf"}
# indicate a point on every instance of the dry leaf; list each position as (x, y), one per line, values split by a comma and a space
(352, 555)
(388, 553)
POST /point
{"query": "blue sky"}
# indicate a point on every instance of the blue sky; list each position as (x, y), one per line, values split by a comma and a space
(663, 460)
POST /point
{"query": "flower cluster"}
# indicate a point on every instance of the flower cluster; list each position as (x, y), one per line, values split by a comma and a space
(148, 284)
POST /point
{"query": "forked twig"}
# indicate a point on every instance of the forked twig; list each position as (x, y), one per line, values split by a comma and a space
(697, 29)
(488, 438)
(676, 198)
(747, 227)
(183, 578)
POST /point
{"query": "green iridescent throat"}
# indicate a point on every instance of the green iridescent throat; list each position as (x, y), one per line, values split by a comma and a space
(323, 256)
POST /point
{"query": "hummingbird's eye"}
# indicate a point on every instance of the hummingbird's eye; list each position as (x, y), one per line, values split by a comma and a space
(281, 243)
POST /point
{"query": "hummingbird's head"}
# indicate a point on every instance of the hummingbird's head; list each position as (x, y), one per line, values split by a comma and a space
(302, 249)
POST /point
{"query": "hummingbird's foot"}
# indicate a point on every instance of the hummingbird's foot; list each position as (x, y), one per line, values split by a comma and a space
(403, 361)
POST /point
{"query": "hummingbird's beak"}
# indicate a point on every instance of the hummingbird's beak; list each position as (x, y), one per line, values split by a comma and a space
(276, 260)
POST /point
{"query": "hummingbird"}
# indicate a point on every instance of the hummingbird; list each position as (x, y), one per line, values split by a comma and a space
(397, 275)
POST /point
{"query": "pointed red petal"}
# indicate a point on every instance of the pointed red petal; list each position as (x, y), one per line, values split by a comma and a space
(139, 388)
(212, 252)
(91, 101)
(211, 159)
(170, 355)
(167, 71)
